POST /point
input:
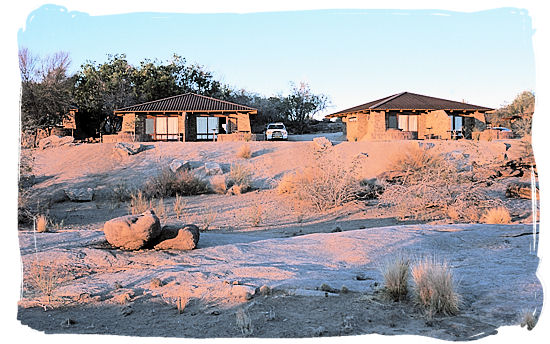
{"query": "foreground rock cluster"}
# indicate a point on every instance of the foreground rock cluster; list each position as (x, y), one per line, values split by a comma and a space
(135, 232)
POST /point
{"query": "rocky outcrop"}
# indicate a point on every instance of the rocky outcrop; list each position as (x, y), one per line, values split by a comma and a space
(132, 232)
(322, 143)
(80, 194)
(521, 190)
(177, 165)
(55, 141)
(126, 148)
(178, 238)
(212, 168)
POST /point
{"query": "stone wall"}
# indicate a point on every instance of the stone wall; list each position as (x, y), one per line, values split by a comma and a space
(434, 124)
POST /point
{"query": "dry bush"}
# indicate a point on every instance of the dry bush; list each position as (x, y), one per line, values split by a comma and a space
(41, 224)
(167, 184)
(325, 184)
(529, 319)
(138, 203)
(122, 193)
(243, 322)
(240, 175)
(179, 206)
(256, 214)
(434, 287)
(44, 278)
(429, 187)
(207, 217)
(396, 277)
(499, 215)
(218, 184)
(245, 152)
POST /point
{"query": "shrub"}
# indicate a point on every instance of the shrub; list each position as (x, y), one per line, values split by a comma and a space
(425, 186)
(256, 213)
(41, 224)
(159, 209)
(396, 277)
(244, 152)
(325, 184)
(240, 175)
(498, 215)
(167, 184)
(435, 290)
(44, 278)
(208, 216)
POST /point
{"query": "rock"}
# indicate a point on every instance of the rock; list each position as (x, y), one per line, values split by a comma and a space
(126, 148)
(264, 290)
(212, 168)
(176, 165)
(27, 180)
(322, 143)
(178, 238)
(520, 190)
(237, 189)
(55, 141)
(80, 194)
(243, 291)
(58, 196)
(426, 145)
(132, 232)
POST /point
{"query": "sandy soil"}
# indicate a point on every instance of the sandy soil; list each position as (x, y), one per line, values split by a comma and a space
(292, 251)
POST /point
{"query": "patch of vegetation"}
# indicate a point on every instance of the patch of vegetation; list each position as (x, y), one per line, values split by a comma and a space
(240, 175)
(529, 320)
(499, 215)
(396, 277)
(168, 184)
(243, 322)
(434, 287)
(44, 278)
(244, 152)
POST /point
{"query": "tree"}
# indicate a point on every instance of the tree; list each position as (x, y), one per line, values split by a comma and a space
(301, 104)
(517, 115)
(45, 89)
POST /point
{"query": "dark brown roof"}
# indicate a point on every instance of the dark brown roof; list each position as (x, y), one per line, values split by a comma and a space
(186, 102)
(410, 101)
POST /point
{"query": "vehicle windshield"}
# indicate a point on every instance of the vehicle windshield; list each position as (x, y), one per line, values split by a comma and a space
(275, 126)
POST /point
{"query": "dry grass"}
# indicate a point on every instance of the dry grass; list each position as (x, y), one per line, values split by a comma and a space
(179, 206)
(435, 289)
(243, 322)
(159, 209)
(529, 319)
(168, 184)
(240, 175)
(41, 224)
(396, 277)
(138, 203)
(499, 215)
(244, 152)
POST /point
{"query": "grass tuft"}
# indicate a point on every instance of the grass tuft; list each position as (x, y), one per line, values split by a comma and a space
(435, 289)
(41, 224)
(499, 215)
(396, 277)
(245, 152)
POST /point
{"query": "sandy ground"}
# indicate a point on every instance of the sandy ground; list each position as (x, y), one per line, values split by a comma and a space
(292, 252)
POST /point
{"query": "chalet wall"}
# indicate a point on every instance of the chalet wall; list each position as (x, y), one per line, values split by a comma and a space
(356, 126)
(129, 122)
(377, 127)
(435, 123)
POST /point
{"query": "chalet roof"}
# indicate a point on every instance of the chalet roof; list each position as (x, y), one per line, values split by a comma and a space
(410, 101)
(186, 102)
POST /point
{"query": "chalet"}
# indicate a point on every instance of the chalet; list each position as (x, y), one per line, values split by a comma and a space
(186, 117)
(410, 116)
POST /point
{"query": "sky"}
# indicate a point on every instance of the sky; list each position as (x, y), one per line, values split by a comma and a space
(353, 56)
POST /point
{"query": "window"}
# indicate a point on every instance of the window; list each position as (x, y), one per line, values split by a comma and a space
(150, 126)
(207, 127)
(166, 128)
(456, 123)
(392, 121)
(408, 122)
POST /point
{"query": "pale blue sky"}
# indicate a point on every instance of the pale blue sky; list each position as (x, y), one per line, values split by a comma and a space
(353, 56)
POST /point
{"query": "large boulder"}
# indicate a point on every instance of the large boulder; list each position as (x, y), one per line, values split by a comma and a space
(322, 143)
(177, 165)
(55, 141)
(132, 232)
(80, 194)
(178, 238)
(127, 148)
(212, 168)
